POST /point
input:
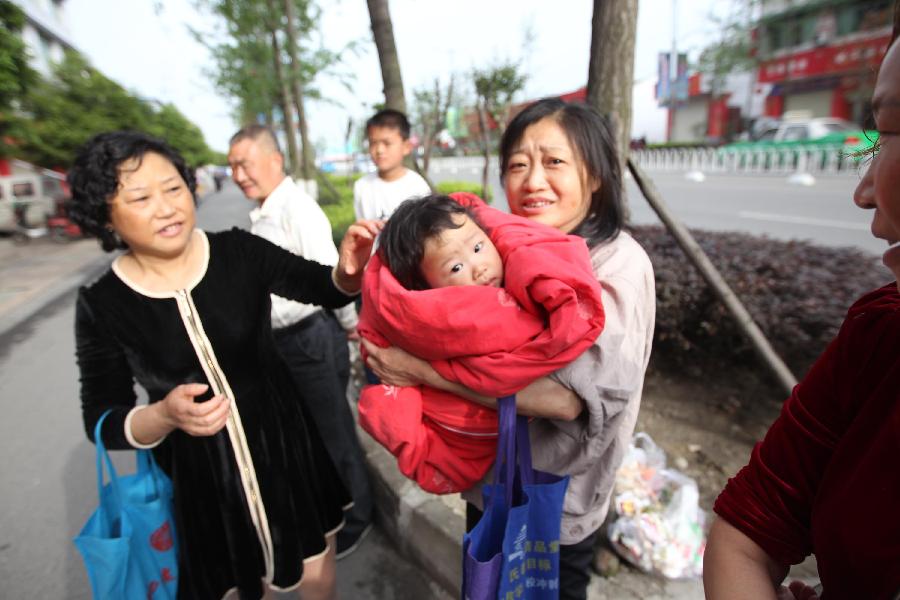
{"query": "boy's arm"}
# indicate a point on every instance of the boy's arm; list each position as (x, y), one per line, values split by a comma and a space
(542, 398)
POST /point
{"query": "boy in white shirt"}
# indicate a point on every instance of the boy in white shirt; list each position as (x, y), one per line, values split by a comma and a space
(377, 195)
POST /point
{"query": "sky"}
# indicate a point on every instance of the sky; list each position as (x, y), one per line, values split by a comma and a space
(147, 47)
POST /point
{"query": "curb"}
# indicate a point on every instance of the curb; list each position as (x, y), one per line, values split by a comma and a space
(422, 526)
(62, 286)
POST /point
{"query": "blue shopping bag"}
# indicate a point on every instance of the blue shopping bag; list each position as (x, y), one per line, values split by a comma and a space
(513, 551)
(129, 543)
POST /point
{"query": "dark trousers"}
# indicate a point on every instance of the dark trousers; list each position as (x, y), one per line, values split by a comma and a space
(574, 560)
(316, 353)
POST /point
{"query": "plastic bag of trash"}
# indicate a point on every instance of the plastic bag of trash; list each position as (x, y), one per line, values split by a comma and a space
(659, 523)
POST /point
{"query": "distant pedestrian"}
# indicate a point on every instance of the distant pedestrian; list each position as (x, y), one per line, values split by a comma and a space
(310, 338)
(186, 314)
(377, 195)
(560, 167)
(825, 481)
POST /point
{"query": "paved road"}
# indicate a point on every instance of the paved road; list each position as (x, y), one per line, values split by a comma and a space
(47, 475)
(761, 204)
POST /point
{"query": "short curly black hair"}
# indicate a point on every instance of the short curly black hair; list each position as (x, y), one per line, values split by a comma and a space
(94, 179)
(401, 244)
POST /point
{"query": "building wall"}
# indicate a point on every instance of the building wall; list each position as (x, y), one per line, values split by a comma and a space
(46, 32)
(817, 103)
(690, 121)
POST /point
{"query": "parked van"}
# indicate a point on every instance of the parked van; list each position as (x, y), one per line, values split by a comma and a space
(27, 200)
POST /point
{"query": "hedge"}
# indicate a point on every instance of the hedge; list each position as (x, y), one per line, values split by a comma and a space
(448, 187)
(337, 203)
(798, 293)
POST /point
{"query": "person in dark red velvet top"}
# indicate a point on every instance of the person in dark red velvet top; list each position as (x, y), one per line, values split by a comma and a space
(825, 480)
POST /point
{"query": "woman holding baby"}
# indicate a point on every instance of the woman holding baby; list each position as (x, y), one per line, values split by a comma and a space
(559, 167)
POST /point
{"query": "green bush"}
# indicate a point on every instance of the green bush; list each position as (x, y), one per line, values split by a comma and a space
(448, 187)
(797, 293)
(336, 200)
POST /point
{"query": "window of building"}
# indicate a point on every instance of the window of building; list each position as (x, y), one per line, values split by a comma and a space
(51, 187)
(875, 16)
(23, 189)
(864, 16)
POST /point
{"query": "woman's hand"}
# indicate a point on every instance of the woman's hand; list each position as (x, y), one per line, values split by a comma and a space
(354, 253)
(179, 411)
(395, 366)
(195, 418)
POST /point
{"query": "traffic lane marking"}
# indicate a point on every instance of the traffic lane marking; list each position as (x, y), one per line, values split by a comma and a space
(760, 216)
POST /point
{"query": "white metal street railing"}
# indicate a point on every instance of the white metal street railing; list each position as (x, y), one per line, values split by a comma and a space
(796, 159)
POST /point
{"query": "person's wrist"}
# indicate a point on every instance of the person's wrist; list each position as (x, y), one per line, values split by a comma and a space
(346, 284)
(162, 415)
(427, 375)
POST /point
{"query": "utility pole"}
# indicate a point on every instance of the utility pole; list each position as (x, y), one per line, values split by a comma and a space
(673, 65)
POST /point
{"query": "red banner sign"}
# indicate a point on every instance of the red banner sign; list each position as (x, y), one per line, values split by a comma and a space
(828, 60)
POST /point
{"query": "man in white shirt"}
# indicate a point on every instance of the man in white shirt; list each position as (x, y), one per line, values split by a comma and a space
(311, 340)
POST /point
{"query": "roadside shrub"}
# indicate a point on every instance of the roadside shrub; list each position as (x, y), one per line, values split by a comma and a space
(336, 201)
(797, 293)
(448, 187)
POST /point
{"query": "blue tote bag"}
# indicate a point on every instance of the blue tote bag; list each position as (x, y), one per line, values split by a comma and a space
(129, 544)
(513, 551)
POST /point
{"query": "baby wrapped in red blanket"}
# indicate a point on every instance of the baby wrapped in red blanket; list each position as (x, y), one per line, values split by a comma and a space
(441, 300)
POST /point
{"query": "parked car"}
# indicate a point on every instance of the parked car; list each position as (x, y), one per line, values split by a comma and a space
(27, 200)
(801, 142)
(796, 130)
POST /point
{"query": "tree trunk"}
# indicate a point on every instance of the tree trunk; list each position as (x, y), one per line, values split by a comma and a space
(287, 111)
(427, 146)
(307, 156)
(485, 148)
(383, 32)
(611, 68)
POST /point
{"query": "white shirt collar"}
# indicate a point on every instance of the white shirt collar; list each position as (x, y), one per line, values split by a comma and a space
(274, 201)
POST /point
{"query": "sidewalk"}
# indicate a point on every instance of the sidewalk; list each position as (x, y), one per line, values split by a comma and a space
(426, 528)
(37, 273)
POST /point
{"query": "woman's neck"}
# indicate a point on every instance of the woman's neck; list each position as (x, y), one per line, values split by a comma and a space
(165, 273)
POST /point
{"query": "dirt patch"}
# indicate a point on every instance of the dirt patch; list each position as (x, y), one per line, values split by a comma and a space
(707, 428)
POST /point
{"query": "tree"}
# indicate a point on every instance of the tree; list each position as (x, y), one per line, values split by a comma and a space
(266, 61)
(16, 77)
(79, 102)
(495, 87)
(286, 99)
(307, 152)
(383, 33)
(429, 114)
(611, 66)
(243, 70)
(170, 124)
(733, 51)
(74, 105)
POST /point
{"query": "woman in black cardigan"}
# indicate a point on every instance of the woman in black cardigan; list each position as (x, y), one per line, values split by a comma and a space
(186, 315)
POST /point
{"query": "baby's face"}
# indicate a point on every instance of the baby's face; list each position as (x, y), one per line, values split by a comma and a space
(463, 256)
